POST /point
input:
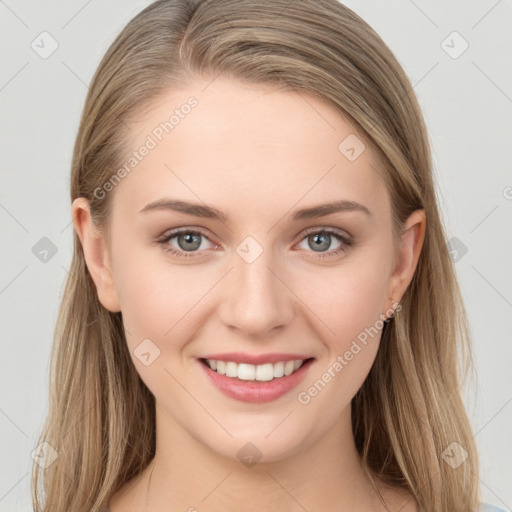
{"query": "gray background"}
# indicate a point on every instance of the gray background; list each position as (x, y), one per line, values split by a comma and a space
(467, 102)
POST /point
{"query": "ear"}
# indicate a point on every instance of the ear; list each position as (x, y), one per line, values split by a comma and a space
(96, 255)
(411, 242)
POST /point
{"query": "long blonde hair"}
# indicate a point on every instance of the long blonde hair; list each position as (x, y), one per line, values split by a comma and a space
(101, 419)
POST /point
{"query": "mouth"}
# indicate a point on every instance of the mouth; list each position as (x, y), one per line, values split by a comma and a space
(246, 381)
(252, 372)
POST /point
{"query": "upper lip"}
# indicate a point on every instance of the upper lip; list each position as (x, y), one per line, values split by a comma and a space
(256, 359)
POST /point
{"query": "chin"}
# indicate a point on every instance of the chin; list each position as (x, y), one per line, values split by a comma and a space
(256, 445)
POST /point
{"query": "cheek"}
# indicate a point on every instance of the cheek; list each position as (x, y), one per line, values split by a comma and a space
(349, 299)
(351, 308)
(159, 306)
(348, 303)
(144, 292)
(158, 298)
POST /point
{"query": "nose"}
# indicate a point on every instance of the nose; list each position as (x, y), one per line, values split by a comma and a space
(256, 298)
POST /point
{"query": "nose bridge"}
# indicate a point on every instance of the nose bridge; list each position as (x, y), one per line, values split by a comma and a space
(257, 300)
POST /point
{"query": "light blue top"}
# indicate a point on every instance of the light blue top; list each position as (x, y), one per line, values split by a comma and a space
(484, 507)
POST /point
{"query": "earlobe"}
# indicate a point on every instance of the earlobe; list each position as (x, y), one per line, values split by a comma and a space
(96, 254)
(411, 243)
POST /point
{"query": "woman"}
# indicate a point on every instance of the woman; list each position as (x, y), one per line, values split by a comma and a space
(261, 311)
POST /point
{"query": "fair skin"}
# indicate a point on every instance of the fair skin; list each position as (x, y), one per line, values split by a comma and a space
(258, 155)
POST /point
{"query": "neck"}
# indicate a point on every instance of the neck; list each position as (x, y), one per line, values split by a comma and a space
(186, 475)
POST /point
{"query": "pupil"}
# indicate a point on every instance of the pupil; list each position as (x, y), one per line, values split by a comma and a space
(190, 238)
(320, 241)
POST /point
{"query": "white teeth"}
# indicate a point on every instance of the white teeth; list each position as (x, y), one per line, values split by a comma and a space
(288, 367)
(278, 369)
(265, 372)
(221, 367)
(246, 371)
(260, 372)
(231, 369)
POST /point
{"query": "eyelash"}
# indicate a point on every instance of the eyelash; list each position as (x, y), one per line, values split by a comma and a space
(346, 242)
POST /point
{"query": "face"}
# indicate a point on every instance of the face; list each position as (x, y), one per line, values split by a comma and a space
(256, 275)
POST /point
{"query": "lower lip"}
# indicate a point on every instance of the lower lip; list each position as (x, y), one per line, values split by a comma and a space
(256, 392)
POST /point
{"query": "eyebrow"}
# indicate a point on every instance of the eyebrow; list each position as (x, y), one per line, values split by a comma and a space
(202, 210)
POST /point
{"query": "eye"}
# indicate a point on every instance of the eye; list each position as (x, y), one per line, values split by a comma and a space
(188, 242)
(322, 239)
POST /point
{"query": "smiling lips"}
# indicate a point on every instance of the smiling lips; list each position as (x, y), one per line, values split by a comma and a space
(250, 378)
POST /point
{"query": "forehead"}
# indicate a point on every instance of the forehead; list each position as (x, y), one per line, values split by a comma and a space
(256, 146)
